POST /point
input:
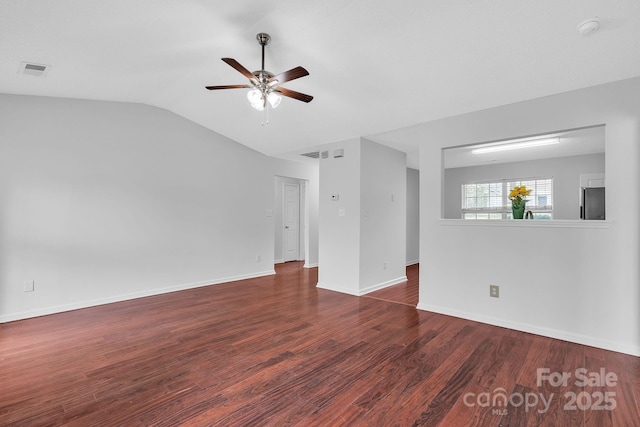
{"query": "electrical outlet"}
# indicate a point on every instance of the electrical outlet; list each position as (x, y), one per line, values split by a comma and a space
(384, 265)
(494, 291)
(258, 258)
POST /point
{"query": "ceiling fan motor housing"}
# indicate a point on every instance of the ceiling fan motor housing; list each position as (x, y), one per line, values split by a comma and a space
(263, 38)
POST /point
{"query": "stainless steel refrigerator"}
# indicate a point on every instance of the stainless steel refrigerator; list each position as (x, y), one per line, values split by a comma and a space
(592, 203)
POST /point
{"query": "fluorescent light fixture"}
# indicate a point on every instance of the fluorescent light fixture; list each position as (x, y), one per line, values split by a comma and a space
(515, 145)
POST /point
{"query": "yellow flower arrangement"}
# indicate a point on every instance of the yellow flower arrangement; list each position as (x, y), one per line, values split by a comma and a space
(517, 195)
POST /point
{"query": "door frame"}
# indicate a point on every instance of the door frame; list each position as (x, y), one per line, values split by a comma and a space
(303, 226)
(284, 221)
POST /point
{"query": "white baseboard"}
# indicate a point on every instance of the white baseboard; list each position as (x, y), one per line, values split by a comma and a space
(335, 288)
(124, 297)
(278, 261)
(415, 261)
(545, 332)
(360, 292)
(383, 285)
(311, 265)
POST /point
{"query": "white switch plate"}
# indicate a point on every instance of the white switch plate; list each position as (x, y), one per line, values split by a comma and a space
(341, 212)
(29, 285)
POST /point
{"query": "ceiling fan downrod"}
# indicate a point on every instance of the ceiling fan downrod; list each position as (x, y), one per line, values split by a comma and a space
(263, 78)
(263, 39)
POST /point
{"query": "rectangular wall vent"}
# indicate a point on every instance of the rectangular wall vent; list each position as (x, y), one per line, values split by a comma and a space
(32, 69)
(312, 155)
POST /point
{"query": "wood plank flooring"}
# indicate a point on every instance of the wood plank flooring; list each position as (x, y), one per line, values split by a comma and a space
(403, 293)
(279, 351)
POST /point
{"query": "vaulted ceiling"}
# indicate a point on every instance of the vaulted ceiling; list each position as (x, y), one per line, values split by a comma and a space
(377, 67)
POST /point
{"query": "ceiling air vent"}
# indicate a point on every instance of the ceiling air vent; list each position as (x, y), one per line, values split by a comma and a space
(312, 155)
(32, 69)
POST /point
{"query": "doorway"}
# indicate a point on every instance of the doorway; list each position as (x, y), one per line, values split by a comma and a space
(290, 220)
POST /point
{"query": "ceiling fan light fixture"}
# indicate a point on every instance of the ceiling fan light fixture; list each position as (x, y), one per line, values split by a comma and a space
(274, 99)
(256, 99)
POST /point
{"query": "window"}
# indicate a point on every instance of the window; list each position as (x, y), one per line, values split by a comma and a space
(489, 200)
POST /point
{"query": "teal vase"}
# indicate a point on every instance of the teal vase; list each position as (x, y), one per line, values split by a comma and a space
(518, 209)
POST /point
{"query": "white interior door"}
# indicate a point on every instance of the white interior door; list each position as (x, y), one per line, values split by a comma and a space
(291, 222)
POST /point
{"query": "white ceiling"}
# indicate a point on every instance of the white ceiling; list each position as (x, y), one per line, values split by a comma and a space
(377, 68)
(575, 142)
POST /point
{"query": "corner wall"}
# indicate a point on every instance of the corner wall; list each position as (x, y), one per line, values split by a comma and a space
(339, 223)
(577, 284)
(362, 217)
(383, 221)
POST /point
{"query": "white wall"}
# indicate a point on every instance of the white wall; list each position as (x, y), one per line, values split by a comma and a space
(104, 201)
(565, 172)
(364, 228)
(339, 237)
(383, 219)
(413, 216)
(578, 284)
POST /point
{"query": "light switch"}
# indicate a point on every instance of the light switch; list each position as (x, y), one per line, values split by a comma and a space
(28, 285)
(341, 212)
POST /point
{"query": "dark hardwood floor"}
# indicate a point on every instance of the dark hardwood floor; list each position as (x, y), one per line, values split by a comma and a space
(403, 293)
(279, 351)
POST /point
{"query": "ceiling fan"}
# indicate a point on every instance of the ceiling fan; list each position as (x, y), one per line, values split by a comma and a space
(265, 86)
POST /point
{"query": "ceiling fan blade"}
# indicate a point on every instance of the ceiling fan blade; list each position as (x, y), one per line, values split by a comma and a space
(287, 76)
(238, 67)
(228, 87)
(293, 94)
